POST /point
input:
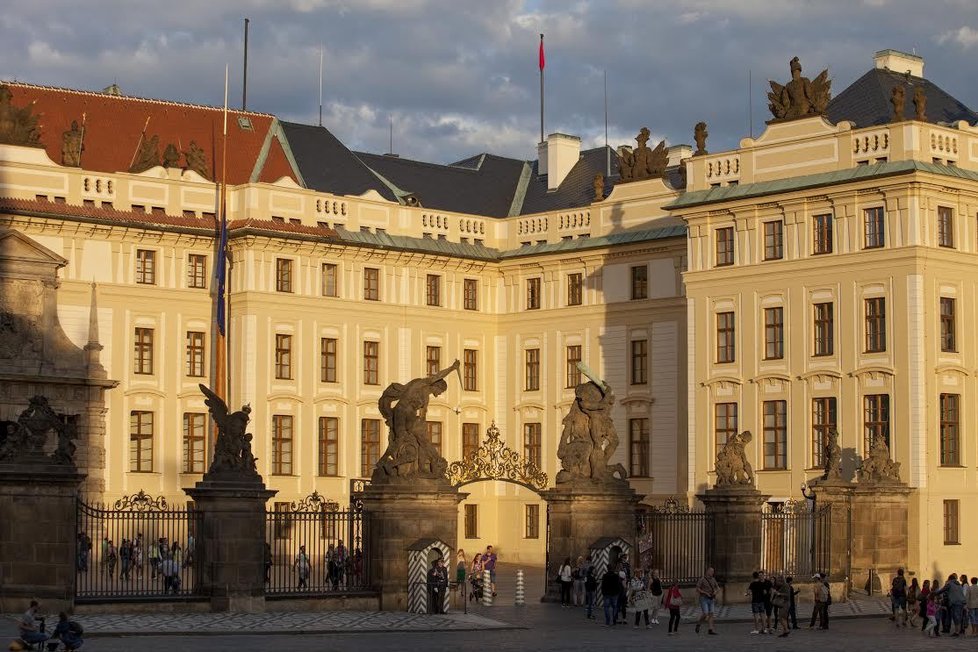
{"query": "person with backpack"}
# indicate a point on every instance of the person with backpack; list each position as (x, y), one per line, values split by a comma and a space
(898, 599)
(673, 602)
(823, 598)
(590, 588)
(68, 632)
(610, 588)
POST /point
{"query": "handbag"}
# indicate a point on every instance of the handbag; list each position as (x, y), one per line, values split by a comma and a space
(780, 600)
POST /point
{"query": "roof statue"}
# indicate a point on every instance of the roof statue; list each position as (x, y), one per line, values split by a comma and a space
(877, 466)
(233, 459)
(25, 441)
(18, 125)
(898, 98)
(831, 456)
(72, 146)
(732, 467)
(410, 454)
(700, 135)
(642, 162)
(920, 103)
(171, 156)
(196, 160)
(147, 156)
(589, 439)
(598, 187)
(800, 97)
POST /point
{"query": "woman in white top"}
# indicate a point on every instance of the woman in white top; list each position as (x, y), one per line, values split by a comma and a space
(566, 579)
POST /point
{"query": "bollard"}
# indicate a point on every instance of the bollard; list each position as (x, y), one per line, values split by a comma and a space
(520, 599)
(486, 589)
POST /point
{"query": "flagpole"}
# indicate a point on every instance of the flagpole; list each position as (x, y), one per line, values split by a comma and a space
(542, 63)
(607, 152)
(224, 226)
(320, 85)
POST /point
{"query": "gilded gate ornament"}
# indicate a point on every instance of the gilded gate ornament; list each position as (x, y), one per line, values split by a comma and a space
(801, 97)
(141, 502)
(494, 460)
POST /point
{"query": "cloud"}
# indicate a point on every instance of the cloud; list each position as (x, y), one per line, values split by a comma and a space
(965, 37)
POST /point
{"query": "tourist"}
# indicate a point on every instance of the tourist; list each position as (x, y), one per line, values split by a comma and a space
(30, 631)
(622, 609)
(579, 574)
(821, 596)
(590, 588)
(673, 602)
(489, 564)
(68, 632)
(125, 559)
(922, 604)
(176, 553)
(111, 557)
(707, 589)
(638, 598)
(898, 598)
(356, 562)
(137, 558)
(757, 591)
(930, 629)
(781, 599)
(610, 588)
(476, 578)
(913, 591)
(565, 580)
(84, 551)
(792, 603)
(954, 600)
(341, 559)
(302, 567)
(655, 595)
(461, 567)
(154, 561)
(769, 622)
(170, 569)
(268, 562)
(188, 558)
(972, 605)
(965, 617)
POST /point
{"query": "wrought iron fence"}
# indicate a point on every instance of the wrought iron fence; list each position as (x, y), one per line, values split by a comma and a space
(138, 548)
(677, 541)
(311, 547)
(795, 540)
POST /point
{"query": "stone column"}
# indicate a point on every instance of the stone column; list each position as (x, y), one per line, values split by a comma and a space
(38, 529)
(880, 536)
(737, 534)
(397, 515)
(837, 494)
(231, 543)
(582, 512)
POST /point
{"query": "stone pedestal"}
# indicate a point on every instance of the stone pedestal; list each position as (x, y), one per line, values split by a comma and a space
(837, 494)
(231, 543)
(737, 533)
(398, 515)
(880, 535)
(580, 514)
(38, 504)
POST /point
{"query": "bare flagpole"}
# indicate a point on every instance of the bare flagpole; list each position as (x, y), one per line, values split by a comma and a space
(607, 151)
(320, 85)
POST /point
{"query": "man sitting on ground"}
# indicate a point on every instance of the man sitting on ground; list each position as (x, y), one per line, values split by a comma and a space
(30, 631)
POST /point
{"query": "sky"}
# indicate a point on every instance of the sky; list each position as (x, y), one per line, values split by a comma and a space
(460, 77)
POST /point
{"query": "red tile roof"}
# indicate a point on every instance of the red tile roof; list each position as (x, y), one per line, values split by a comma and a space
(115, 123)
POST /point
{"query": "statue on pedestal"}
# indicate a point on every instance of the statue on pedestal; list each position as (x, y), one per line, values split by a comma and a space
(410, 454)
(71, 145)
(589, 438)
(877, 466)
(920, 104)
(898, 98)
(233, 458)
(26, 440)
(732, 467)
(800, 97)
(700, 134)
(832, 456)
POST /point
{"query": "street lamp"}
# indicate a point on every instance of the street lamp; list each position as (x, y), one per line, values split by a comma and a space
(809, 495)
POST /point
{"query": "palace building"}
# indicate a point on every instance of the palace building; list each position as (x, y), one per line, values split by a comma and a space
(817, 277)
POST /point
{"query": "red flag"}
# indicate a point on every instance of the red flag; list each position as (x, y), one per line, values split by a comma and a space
(542, 59)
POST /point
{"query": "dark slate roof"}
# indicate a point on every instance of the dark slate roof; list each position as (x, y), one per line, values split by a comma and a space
(577, 188)
(481, 185)
(327, 165)
(867, 100)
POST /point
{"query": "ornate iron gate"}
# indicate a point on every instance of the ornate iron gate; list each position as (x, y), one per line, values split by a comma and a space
(795, 540)
(677, 541)
(140, 548)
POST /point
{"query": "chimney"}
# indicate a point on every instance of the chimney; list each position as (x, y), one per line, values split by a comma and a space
(900, 62)
(557, 157)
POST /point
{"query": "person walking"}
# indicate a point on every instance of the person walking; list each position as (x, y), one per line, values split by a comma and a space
(622, 597)
(590, 588)
(898, 599)
(930, 629)
(565, 579)
(707, 589)
(972, 605)
(793, 603)
(125, 559)
(578, 576)
(655, 595)
(638, 598)
(302, 567)
(461, 568)
(757, 592)
(673, 601)
(112, 556)
(913, 591)
(821, 596)
(476, 578)
(922, 604)
(489, 559)
(610, 588)
(781, 599)
(955, 602)
(154, 560)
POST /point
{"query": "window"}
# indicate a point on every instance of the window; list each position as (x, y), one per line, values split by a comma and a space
(195, 354)
(873, 227)
(283, 521)
(470, 370)
(194, 427)
(573, 373)
(725, 337)
(951, 537)
(948, 343)
(875, 325)
(283, 275)
(773, 333)
(640, 282)
(283, 356)
(824, 328)
(470, 439)
(774, 240)
(640, 362)
(575, 289)
(140, 442)
(724, 423)
(823, 420)
(532, 440)
(371, 284)
(725, 246)
(638, 448)
(369, 446)
(327, 359)
(470, 294)
(950, 431)
(532, 370)
(281, 444)
(434, 434)
(876, 419)
(532, 529)
(775, 434)
(197, 271)
(143, 359)
(432, 360)
(330, 280)
(433, 290)
(371, 363)
(146, 267)
(533, 294)
(945, 226)
(822, 234)
(471, 521)
(329, 446)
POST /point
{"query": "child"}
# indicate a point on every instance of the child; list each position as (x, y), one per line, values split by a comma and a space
(673, 601)
(931, 629)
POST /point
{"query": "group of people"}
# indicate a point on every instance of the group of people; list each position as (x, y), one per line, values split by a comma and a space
(481, 562)
(30, 629)
(773, 603)
(165, 559)
(339, 565)
(950, 608)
